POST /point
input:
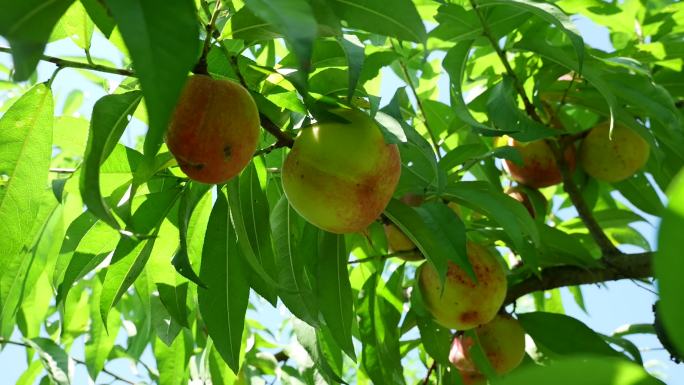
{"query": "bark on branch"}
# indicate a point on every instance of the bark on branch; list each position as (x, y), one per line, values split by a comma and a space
(616, 267)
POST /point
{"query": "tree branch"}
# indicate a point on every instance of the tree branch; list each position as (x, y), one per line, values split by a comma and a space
(201, 66)
(64, 63)
(529, 107)
(76, 360)
(429, 372)
(607, 247)
(616, 267)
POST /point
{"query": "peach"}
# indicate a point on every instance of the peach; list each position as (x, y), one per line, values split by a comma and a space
(462, 303)
(214, 129)
(539, 167)
(503, 342)
(340, 176)
(612, 157)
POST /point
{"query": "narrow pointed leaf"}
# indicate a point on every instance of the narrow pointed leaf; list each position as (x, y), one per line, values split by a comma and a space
(334, 290)
(25, 137)
(111, 115)
(27, 25)
(57, 363)
(224, 301)
(163, 40)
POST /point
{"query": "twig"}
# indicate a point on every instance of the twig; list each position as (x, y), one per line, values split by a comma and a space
(384, 256)
(584, 212)
(58, 170)
(283, 139)
(75, 64)
(201, 66)
(409, 82)
(429, 372)
(76, 360)
(529, 107)
(631, 266)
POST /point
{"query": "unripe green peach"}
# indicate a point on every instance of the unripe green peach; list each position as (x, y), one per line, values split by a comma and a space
(539, 167)
(340, 176)
(502, 340)
(615, 156)
(464, 304)
(214, 129)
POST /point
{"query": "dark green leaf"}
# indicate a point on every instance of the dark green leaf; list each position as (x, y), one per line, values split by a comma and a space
(163, 40)
(401, 20)
(295, 251)
(355, 58)
(27, 26)
(223, 302)
(587, 370)
(100, 15)
(334, 290)
(189, 200)
(174, 298)
(295, 20)
(562, 335)
(669, 265)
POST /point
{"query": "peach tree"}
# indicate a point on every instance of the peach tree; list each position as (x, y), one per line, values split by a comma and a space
(336, 191)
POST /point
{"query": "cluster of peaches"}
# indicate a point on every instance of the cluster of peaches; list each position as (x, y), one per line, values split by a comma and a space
(340, 176)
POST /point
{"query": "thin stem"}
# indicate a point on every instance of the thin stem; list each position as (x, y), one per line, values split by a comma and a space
(431, 369)
(384, 256)
(616, 267)
(283, 138)
(529, 107)
(76, 360)
(409, 82)
(607, 247)
(201, 66)
(58, 170)
(75, 64)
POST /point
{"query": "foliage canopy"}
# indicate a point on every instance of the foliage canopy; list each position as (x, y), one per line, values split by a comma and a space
(105, 238)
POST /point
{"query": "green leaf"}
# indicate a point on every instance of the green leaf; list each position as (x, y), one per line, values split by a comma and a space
(174, 298)
(100, 16)
(561, 335)
(101, 337)
(506, 211)
(586, 370)
(189, 200)
(220, 372)
(224, 302)
(436, 339)
(312, 340)
(455, 23)
(550, 13)
(25, 136)
(295, 252)
(57, 363)
(401, 20)
(560, 248)
(172, 361)
(434, 242)
(668, 264)
(27, 26)
(380, 358)
(250, 217)
(334, 290)
(295, 20)
(131, 255)
(87, 243)
(454, 64)
(354, 50)
(78, 26)
(163, 40)
(503, 112)
(110, 117)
